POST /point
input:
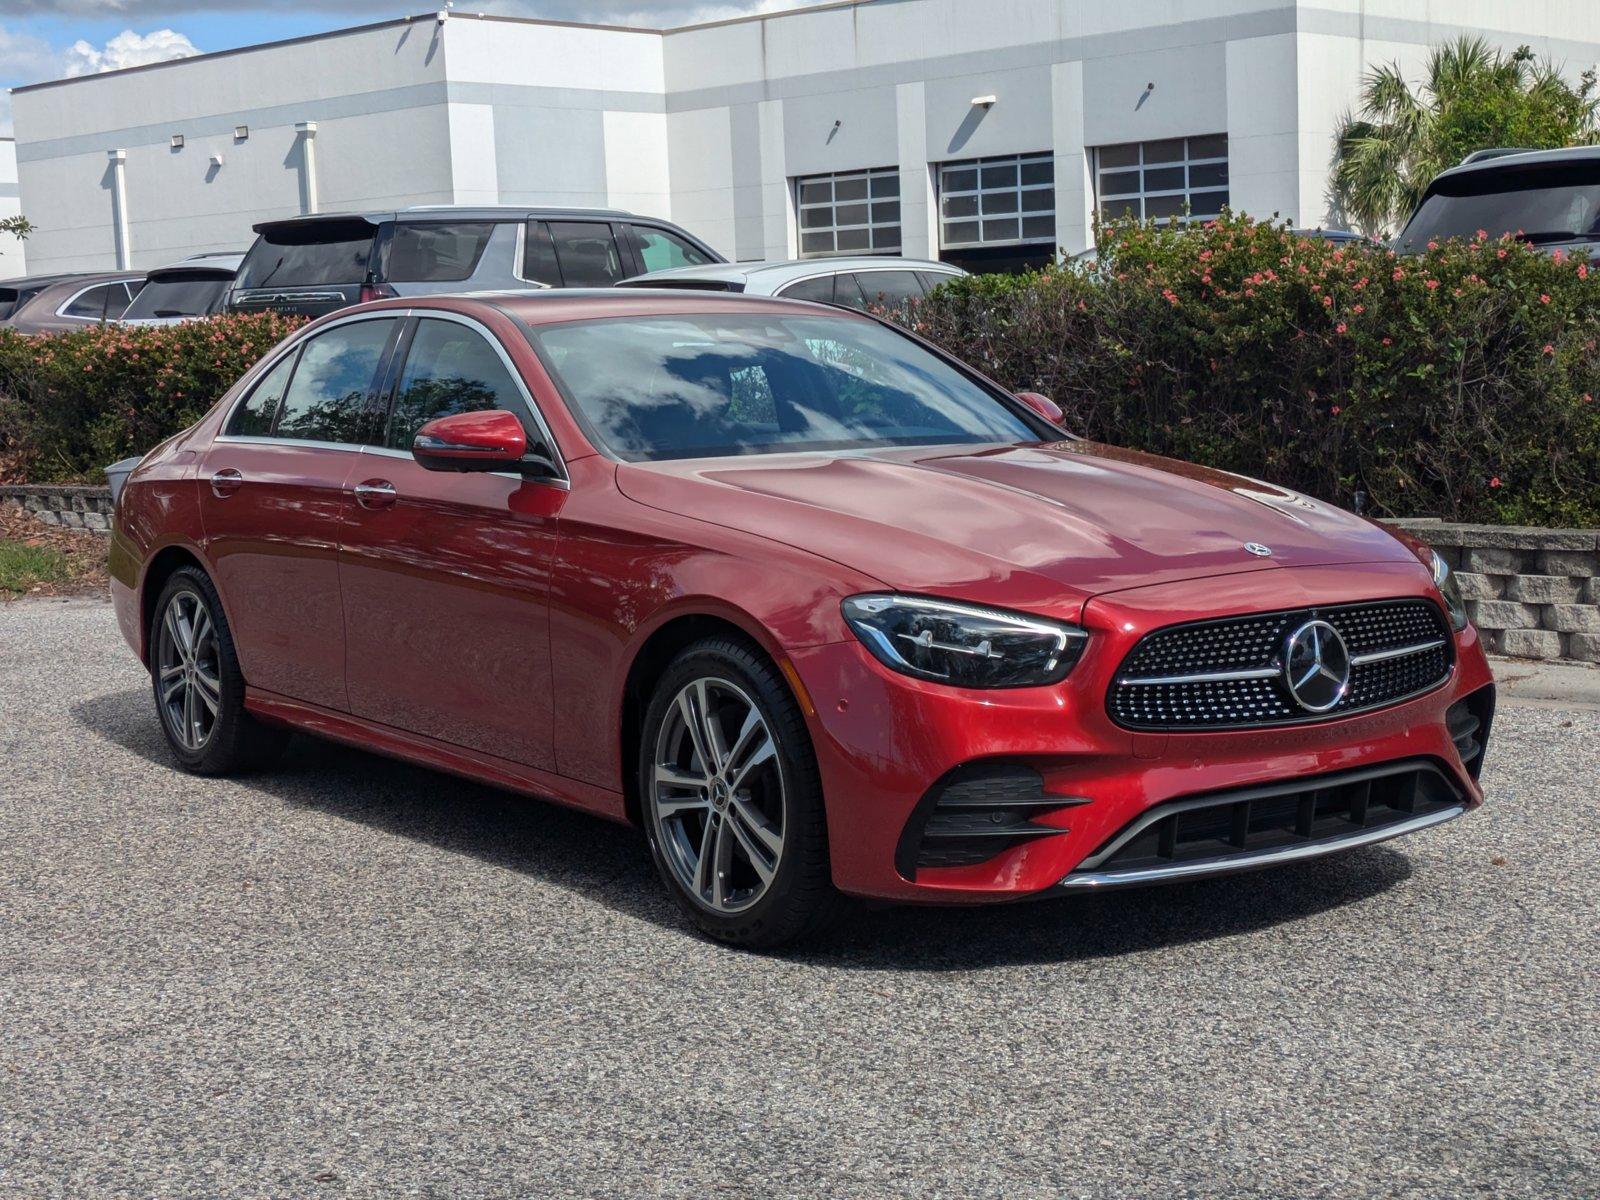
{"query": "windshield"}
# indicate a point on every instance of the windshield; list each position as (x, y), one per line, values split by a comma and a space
(191, 294)
(311, 254)
(702, 386)
(1544, 203)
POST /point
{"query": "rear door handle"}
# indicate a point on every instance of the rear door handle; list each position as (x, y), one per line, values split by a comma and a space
(226, 482)
(375, 493)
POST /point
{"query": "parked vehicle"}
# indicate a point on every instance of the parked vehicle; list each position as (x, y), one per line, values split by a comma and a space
(819, 608)
(185, 291)
(1550, 198)
(849, 282)
(320, 264)
(59, 303)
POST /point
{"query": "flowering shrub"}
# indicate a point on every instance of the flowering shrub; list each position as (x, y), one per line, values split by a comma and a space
(71, 403)
(1460, 383)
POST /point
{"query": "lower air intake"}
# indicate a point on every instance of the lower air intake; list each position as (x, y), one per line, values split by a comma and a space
(974, 813)
(1258, 822)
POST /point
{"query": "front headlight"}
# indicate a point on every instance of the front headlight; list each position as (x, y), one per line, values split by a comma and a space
(1451, 591)
(962, 645)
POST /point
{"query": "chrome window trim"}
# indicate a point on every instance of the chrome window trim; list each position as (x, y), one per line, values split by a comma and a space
(252, 439)
(64, 315)
(874, 270)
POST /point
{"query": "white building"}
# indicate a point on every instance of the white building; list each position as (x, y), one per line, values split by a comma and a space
(978, 130)
(12, 258)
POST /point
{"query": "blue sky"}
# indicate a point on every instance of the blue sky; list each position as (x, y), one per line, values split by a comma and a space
(47, 39)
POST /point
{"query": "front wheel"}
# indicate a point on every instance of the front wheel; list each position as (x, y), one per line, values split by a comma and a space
(199, 689)
(731, 798)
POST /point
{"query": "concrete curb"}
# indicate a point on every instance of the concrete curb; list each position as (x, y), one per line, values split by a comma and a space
(1563, 684)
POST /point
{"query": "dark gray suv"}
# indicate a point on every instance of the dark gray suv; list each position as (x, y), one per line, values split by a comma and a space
(1548, 198)
(317, 264)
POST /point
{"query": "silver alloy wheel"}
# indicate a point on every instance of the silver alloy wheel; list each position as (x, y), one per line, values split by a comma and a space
(189, 677)
(718, 798)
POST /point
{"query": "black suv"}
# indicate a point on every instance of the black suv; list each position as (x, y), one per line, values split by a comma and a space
(1549, 198)
(317, 264)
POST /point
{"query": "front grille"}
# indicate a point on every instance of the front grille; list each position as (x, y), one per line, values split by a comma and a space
(1257, 821)
(976, 812)
(1229, 673)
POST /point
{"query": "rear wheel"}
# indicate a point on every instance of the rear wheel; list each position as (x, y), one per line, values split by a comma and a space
(199, 690)
(732, 802)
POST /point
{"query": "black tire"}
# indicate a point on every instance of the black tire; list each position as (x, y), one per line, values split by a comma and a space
(800, 899)
(234, 741)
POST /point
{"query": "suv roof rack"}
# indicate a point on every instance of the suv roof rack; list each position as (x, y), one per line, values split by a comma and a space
(1495, 152)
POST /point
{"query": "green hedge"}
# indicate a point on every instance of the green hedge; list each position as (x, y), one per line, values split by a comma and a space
(1459, 384)
(71, 403)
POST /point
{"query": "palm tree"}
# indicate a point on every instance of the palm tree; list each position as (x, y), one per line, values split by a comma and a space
(1471, 97)
(18, 225)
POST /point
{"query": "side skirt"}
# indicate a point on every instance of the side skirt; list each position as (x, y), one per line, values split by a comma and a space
(441, 756)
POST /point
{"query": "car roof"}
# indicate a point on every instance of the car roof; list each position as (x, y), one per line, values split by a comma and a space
(551, 306)
(465, 212)
(1504, 159)
(776, 272)
(43, 281)
(221, 264)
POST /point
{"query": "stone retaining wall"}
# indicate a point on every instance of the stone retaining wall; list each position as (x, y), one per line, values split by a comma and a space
(72, 505)
(1532, 593)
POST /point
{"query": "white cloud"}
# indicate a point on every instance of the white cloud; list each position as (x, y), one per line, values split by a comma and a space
(127, 49)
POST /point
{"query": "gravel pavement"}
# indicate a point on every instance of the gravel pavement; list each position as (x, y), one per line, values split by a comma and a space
(355, 978)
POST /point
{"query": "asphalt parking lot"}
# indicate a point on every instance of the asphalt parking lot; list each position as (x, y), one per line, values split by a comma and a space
(356, 978)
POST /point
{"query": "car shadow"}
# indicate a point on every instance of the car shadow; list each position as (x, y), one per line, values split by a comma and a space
(609, 864)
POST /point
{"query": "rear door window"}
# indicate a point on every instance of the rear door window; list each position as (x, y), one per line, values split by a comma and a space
(92, 303)
(312, 254)
(890, 289)
(450, 368)
(440, 253)
(587, 253)
(659, 250)
(820, 289)
(327, 398)
(254, 417)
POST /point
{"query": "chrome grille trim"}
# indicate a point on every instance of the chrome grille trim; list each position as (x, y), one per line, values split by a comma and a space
(1227, 673)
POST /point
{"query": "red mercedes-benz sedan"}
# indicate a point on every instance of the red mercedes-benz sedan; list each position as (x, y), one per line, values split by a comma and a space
(822, 610)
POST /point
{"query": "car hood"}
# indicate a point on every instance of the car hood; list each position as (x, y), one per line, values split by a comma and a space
(1040, 527)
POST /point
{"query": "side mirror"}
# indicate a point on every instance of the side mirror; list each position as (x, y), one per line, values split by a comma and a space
(471, 441)
(1044, 406)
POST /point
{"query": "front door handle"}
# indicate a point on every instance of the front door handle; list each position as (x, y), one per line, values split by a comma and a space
(375, 493)
(226, 482)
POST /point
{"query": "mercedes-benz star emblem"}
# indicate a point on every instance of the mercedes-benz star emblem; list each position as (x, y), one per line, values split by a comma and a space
(1316, 666)
(1258, 549)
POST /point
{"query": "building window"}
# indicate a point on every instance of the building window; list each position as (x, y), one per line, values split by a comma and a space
(1006, 201)
(1159, 181)
(856, 212)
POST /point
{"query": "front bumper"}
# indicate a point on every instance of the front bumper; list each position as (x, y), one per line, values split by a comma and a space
(884, 740)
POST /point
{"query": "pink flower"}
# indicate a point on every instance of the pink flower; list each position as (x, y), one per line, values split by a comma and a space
(1339, 328)
(1495, 482)
(1543, 298)
(1549, 348)
(1335, 410)
(1360, 308)
(1398, 274)
(1433, 285)
(1499, 253)
(1583, 270)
